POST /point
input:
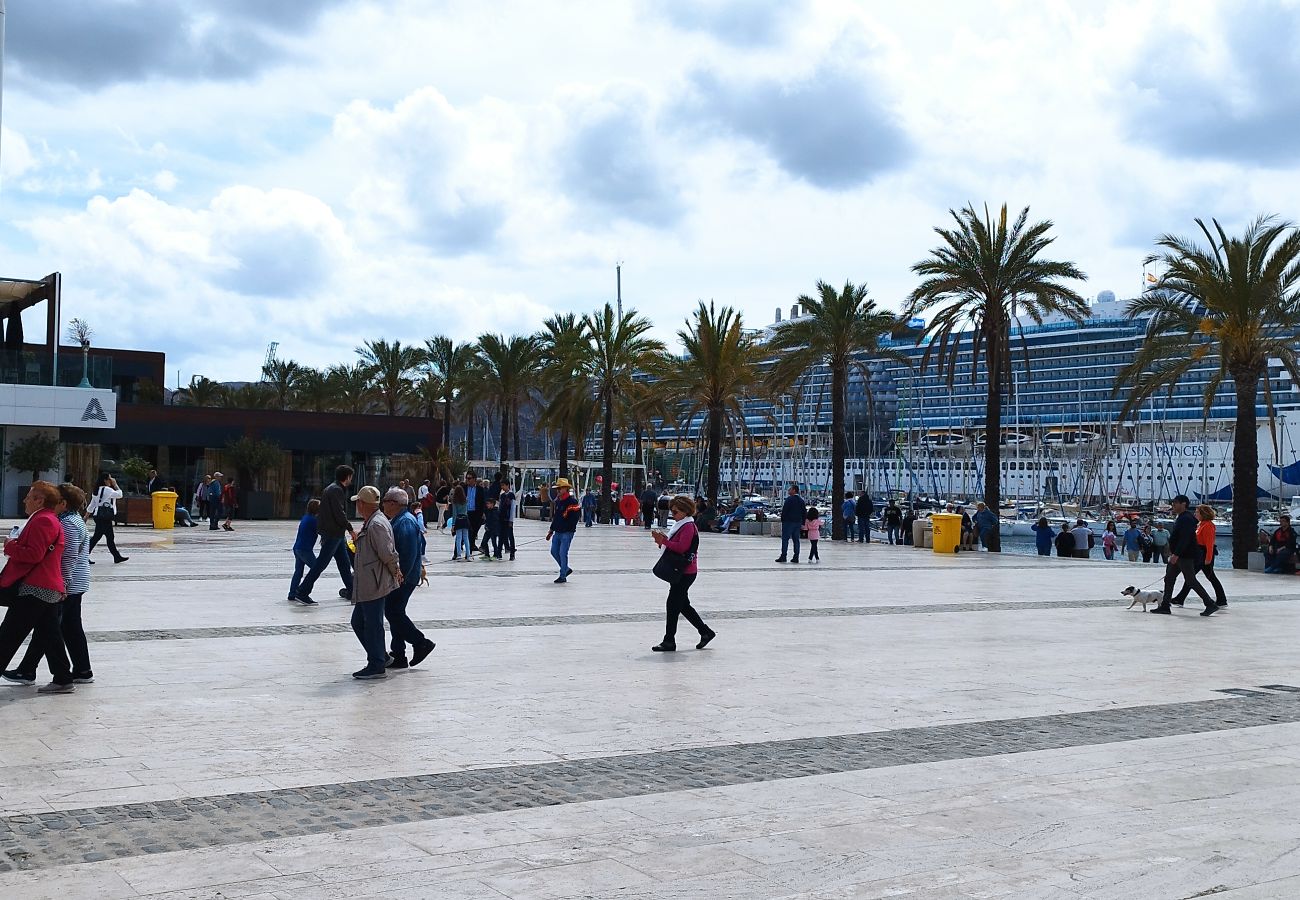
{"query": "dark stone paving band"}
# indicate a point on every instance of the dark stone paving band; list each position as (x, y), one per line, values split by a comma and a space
(88, 835)
(184, 634)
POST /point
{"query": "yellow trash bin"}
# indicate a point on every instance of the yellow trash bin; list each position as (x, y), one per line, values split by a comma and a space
(947, 532)
(164, 509)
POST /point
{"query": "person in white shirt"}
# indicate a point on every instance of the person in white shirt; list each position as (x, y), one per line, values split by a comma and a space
(103, 506)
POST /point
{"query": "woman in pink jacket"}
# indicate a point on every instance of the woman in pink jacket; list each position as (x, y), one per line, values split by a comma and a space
(32, 580)
(682, 537)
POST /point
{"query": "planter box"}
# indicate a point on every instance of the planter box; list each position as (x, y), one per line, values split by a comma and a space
(754, 528)
(135, 511)
(1255, 562)
(256, 505)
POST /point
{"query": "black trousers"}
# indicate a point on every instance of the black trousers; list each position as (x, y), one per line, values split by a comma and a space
(74, 639)
(475, 523)
(647, 517)
(27, 615)
(679, 604)
(104, 529)
(1208, 571)
(507, 539)
(1187, 568)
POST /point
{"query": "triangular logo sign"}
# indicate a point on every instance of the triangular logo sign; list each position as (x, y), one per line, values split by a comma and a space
(94, 411)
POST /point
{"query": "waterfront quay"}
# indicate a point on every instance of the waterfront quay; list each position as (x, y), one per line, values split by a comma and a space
(889, 723)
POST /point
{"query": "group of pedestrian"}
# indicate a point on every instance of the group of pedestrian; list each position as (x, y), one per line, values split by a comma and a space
(1145, 542)
(473, 507)
(216, 495)
(45, 578)
(380, 565)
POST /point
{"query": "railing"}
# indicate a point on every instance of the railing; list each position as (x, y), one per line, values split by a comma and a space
(34, 367)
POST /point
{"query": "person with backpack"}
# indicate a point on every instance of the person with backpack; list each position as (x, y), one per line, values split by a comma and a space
(103, 508)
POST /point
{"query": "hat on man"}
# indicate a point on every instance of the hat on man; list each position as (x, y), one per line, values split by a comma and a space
(563, 483)
(217, 475)
(368, 494)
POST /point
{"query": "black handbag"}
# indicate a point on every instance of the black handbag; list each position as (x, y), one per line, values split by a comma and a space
(672, 565)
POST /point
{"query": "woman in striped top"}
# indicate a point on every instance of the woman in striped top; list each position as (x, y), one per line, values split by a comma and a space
(76, 580)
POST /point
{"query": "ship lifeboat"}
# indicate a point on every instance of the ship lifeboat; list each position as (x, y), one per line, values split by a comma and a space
(1076, 438)
(943, 440)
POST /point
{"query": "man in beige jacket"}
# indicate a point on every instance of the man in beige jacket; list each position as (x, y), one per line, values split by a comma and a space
(376, 573)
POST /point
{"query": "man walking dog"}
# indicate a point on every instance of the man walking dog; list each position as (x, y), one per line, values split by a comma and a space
(1184, 558)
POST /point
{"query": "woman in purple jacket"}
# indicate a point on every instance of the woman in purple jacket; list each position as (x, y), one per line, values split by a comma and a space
(682, 537)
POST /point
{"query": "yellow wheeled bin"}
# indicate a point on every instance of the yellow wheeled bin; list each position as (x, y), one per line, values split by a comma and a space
(164, 509)
(947, 532)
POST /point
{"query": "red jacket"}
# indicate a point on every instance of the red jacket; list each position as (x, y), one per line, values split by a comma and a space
(35, 557)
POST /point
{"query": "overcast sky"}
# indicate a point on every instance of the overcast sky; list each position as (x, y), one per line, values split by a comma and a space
(317, 173)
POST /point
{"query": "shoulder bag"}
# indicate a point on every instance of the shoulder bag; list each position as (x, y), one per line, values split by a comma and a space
(672, 565)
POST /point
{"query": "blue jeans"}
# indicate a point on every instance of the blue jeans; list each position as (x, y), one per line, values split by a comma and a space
(895, 533)
(560, 542)
(368, 625)
(849, 528)
(302, 561)
(790, 532)
(864, 530)
(334, 548)
(399, 623)
(461, 545)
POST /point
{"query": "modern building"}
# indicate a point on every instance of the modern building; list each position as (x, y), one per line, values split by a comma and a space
(105, 406)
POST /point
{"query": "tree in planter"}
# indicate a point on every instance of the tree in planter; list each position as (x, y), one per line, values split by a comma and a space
(252, 458)
(36, 454)
(136, 469)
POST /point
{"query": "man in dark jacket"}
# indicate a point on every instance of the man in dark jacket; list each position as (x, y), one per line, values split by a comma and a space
(793, 513)
(649, 497)
(332, 523)
(1185, 557)
(865, 509)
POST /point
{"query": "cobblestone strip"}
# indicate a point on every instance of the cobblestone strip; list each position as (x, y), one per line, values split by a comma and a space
(185, 634)
(87, 835)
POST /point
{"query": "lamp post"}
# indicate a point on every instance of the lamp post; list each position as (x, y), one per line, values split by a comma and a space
(85, 363)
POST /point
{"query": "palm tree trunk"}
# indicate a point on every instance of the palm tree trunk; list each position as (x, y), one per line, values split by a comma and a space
(607, 458)
(1245, 470)
(505, 433)
(446, 422)
(839, 446)
(469, 434)
(519, 453)
(993, 439)
(715, 456)
(564, 455)
(638, 456)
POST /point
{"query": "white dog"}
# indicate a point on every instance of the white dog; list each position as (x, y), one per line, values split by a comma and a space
(1143, 597)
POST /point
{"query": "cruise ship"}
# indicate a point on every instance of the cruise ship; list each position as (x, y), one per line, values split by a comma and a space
(1062, 436)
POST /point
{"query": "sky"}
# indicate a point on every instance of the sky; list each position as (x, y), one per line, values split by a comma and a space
(319, 173)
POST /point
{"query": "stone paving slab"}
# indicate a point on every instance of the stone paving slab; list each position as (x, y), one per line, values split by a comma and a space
(539, 679)
(96, 834)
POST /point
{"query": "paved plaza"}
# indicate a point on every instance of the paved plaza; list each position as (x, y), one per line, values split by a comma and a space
(889, 723)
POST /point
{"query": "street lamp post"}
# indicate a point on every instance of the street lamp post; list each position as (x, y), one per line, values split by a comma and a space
(85, 363)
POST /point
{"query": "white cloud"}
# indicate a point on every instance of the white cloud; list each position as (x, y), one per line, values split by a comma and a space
(165, 181)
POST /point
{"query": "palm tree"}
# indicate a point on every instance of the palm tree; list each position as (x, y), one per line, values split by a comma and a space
(620, 349)
(254, 395)
(204, 392)
(426, 395)
(313, 391)
(565, 354)
(982, 279)
(450, 362)
(281, 376)
(718, 374)
(353, 386)
(1235, 302)
(839, 327)
(392, 365)
(508, 369)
